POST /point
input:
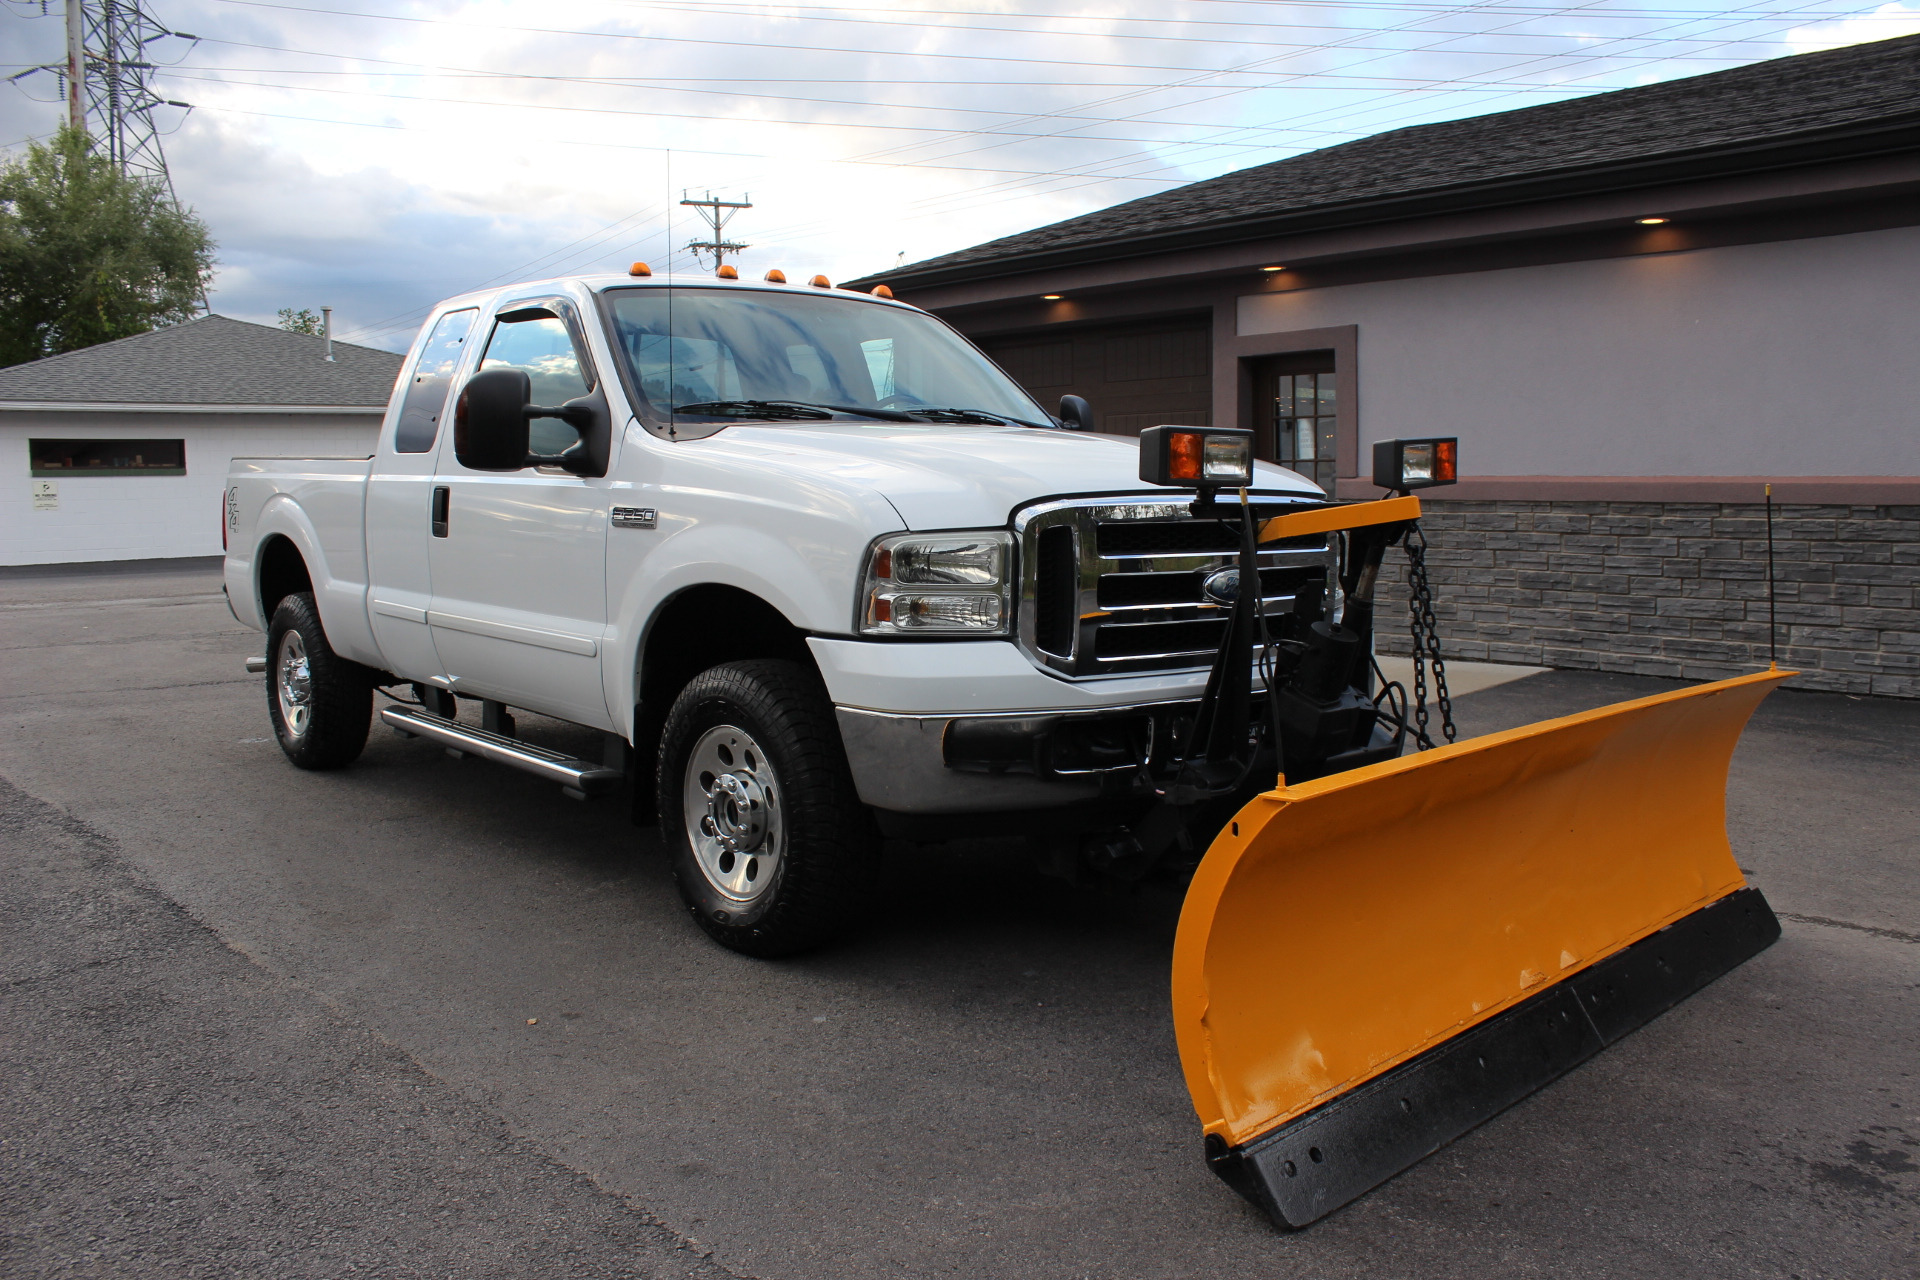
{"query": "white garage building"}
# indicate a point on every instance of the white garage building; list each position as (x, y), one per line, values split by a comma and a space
(120, 451)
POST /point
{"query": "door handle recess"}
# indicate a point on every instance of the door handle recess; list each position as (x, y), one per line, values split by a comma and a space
(442, 497)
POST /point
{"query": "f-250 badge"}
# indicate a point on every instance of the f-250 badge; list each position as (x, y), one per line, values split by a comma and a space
(635, 517)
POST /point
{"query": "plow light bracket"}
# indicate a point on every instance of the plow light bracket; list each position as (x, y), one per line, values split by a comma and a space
(1202, 458)
(1405, 465)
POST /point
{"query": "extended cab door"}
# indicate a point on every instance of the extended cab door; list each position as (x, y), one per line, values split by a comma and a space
(401, 502)
(519, 579)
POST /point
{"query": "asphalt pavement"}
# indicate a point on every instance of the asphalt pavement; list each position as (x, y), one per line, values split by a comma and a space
(429, 1017)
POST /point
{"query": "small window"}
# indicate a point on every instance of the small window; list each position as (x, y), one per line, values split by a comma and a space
(542, 348)
(108, 457)
(432, 378)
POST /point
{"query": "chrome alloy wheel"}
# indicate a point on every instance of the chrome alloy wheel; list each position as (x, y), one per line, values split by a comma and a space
(731, 800)
(293, 684)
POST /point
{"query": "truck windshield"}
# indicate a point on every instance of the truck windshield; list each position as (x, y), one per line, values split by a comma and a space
(734, 353)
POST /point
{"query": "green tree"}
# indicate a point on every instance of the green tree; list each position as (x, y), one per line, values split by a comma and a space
(301, 321)
(88, 254)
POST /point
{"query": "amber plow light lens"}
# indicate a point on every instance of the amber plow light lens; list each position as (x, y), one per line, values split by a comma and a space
(1371, 963)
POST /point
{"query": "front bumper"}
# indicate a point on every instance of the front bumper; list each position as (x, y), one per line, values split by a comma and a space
(952, 764)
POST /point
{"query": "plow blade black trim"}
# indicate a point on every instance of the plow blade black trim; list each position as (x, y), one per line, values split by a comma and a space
(1310, 1166)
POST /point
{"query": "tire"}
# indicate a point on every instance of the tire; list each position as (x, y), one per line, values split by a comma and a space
(321, 703)
(772, 851)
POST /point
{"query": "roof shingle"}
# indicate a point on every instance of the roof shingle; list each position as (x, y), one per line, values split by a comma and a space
(210, 360)
(1763, 102)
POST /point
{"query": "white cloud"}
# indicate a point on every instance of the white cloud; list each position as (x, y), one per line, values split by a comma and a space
(1884, 23)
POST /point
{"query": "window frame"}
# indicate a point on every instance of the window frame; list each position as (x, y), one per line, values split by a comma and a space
(101, 473)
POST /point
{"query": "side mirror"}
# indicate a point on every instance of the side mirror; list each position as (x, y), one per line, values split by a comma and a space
(490, 426)
(1076, 414)
(490, 421)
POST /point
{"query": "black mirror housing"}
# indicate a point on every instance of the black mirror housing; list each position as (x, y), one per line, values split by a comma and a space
(1075, 413)
(490, 421)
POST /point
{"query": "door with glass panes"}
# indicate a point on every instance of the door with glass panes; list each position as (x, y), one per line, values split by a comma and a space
(1295, 407)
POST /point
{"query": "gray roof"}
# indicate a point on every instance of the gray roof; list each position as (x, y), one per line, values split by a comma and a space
(1816, 106)
(214, 361)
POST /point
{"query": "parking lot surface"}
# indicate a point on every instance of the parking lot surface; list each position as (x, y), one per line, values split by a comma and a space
(430, 1017)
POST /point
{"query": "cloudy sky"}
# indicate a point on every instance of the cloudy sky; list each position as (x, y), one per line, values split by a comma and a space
(378, 155)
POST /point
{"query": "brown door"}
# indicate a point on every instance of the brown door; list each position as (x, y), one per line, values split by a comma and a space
(1295, 404)
(1134, 376)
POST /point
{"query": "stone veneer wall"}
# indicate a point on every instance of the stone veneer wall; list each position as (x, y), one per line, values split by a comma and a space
(1673, 589)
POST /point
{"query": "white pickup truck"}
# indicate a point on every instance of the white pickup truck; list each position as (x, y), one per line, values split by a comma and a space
(818, 569)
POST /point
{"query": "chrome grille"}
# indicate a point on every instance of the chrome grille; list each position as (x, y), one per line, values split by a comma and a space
(1114, 585)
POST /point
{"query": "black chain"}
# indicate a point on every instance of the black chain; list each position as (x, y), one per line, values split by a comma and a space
(1426, 643)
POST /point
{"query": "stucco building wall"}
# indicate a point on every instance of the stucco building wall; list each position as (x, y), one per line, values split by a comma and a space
(1789, 359)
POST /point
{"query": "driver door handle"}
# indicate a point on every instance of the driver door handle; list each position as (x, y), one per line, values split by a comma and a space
(442, 498)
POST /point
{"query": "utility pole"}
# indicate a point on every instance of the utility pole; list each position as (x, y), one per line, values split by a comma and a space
(718, 213)
(76, 67)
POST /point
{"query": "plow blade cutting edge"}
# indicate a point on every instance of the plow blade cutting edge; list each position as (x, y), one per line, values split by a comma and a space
(1369, 964)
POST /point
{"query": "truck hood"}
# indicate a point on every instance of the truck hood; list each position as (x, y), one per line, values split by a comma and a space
(947, 477)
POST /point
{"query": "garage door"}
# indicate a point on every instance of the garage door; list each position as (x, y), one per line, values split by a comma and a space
(1134, 376)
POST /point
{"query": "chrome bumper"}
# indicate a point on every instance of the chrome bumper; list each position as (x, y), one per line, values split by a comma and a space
(1020, 761)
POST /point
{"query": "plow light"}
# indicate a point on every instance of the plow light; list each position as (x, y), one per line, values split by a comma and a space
(1197, 457)
(1415, 464)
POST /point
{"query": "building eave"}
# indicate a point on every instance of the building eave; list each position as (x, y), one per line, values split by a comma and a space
(1802, 150)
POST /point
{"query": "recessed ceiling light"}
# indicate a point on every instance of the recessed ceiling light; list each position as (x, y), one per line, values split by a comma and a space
(1049, 297)
(1649, 222)
(1272, 269)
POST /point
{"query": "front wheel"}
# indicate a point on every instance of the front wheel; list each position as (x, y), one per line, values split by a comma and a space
(772, 850)
(321, 703)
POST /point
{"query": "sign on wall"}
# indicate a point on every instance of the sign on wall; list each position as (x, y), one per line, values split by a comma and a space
(46, 495)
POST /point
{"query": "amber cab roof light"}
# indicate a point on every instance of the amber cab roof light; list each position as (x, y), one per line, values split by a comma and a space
(776, 276)
(726, 272)
(821, 282)
(639, 269)
(881, 291)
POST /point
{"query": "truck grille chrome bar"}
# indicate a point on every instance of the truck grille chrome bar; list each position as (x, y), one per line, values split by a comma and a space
(1112, 586)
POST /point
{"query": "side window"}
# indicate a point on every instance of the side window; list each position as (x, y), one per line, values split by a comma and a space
(432, 378)
(542, 348)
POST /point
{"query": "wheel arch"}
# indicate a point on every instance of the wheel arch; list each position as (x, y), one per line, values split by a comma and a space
(280, 570)
(697, 627)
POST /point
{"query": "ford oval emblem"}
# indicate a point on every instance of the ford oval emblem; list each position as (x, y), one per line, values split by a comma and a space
(1222, 585)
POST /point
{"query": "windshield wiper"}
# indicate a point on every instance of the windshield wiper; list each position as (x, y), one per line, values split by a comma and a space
(806, 410)
(753, 409)
(932, 414)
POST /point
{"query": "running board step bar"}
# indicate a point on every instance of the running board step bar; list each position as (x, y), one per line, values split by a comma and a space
(580, 779)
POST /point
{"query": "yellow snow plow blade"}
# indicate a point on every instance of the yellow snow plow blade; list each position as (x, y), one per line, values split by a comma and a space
(1371, 963)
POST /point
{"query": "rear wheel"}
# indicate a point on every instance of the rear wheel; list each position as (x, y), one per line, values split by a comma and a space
(321, 703)
(772, 850)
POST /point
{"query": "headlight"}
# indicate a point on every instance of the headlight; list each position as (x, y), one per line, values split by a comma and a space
(938, 584)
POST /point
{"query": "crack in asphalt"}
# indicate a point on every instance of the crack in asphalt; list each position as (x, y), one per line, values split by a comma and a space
(1898, 935)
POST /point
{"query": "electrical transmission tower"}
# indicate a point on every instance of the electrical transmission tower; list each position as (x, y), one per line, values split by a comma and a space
(104, 80)
(718, 213)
